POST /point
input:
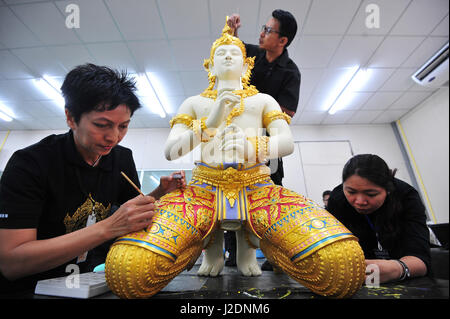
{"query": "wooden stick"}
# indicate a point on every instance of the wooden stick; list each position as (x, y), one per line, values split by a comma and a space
(132, 184)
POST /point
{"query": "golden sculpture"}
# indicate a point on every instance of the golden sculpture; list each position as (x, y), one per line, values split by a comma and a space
(294, 233)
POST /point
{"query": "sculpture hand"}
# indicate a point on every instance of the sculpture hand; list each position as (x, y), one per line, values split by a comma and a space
(233, 138)
(225, 101)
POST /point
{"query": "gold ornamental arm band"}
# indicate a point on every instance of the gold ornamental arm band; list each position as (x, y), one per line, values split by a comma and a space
(275, 115)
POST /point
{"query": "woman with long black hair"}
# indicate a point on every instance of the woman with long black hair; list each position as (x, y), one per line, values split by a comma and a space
(386, 214)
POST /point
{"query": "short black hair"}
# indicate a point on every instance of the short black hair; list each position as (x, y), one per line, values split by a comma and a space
(288, 25)
(90, 87)
(327, 192)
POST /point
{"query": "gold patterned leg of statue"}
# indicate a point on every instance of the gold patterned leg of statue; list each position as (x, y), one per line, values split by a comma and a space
(306, 242)
(136, 272)
(140, 264)
(332, 271)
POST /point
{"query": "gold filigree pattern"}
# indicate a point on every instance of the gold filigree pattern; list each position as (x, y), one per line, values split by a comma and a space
(78, 219)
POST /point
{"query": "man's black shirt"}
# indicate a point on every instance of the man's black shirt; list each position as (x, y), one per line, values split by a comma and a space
(281, 80)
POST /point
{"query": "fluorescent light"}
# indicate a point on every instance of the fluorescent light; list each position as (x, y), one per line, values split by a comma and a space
(340, 86)
(6, 110)
(160, 90)
(347, 93)
(5, 117)
(48, 90)
(148, 95)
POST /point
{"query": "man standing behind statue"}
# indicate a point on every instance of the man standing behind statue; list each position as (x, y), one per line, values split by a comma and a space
(275, 74)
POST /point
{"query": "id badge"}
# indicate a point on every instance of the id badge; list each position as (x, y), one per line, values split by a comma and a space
(381, 254)
(90, 221)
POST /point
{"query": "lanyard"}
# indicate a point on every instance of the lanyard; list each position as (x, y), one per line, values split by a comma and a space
(380, 248)
(83, 189)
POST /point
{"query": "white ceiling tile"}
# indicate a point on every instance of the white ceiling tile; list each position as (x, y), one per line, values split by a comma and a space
(307, 117)
(114, 55)
(363, 117)
(420, 88)
(40, 61)
(316, 103)
(70, 56)
(340, 117)
(152, 56)
(421, 17)
(169, 82)
(189, 54)
(46, 22)
(389, 12)
(330, 16)
(399, 81)
(394, 51)
(358, 100)
(355, 50)
(409, 100)
(13, 125)
(138, 20)
(20, 1)
(381, 100)
(174, 104)
(13, 33)
(185, 18)
(12, 68)
(246, 9)
(377, 79)
(442, 28)
(315, 51)
(425, 51)
(194, 83)
(309, 80)
(91, 12)
(299, 10)
(20, 90)
(389, 116)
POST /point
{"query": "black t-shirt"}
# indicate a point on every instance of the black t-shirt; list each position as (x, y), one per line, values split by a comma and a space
(49, 187)
(413, 236)
(280, 78)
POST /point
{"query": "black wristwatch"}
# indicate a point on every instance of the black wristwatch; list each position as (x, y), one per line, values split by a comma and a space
(405, 274)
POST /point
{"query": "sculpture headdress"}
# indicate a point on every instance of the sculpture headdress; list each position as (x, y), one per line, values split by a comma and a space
(227, 38)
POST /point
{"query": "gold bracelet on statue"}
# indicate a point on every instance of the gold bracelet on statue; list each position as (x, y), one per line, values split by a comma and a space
(263, 148)
(182, 119)
(261, 145)
(275, 115)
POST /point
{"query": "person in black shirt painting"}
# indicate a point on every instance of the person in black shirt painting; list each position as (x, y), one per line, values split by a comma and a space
(386, 214)
(275, 74)
(52, 190)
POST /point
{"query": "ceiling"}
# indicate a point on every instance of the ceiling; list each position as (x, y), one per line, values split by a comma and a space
(170, 39)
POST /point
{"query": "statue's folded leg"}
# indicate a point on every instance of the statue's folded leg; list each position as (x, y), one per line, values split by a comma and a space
(306, 242)
(140, 264)
(335, 270)
(136, 272)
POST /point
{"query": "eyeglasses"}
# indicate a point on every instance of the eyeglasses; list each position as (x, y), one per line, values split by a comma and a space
(268, 30)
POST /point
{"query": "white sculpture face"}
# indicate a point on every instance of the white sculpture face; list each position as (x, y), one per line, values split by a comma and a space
(228, 62)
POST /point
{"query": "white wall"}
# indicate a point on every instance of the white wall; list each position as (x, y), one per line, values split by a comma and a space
(315, 165)
(331, 141)
(426, 137)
